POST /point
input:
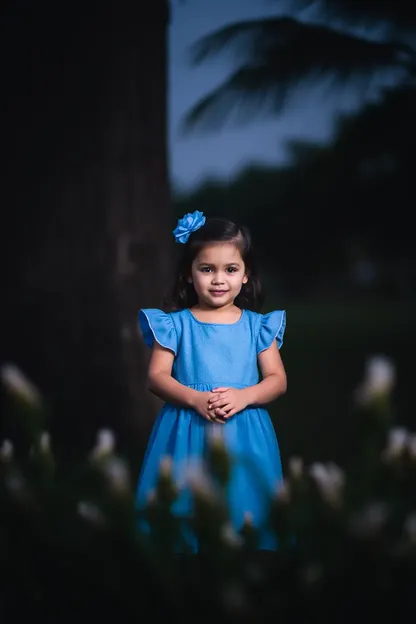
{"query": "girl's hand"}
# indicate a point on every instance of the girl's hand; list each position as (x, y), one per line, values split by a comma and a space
(229, 402)
(201, 405)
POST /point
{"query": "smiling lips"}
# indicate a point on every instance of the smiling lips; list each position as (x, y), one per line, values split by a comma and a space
(218, 293)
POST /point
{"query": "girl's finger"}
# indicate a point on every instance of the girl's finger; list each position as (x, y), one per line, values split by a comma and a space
(227, 408)
(209, 417)
(213, 397)
(220, 419)
(220, 403)
(219, 416)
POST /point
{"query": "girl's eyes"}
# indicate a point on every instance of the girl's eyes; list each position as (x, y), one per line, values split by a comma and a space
(209, 269)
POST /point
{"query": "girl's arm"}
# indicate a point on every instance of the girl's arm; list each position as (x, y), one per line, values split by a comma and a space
(161, 383)
(274, 382)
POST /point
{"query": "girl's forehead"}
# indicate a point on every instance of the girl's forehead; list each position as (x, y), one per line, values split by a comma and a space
(219, 252)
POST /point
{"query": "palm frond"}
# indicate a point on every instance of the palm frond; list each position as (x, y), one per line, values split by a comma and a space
(276, 56)
(398, 14)
(245, 38)
(248, 93)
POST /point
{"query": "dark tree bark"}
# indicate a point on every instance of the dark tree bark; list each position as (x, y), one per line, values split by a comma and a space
(86, 231)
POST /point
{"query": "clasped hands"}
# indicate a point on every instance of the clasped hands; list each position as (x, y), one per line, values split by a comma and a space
(221, 403)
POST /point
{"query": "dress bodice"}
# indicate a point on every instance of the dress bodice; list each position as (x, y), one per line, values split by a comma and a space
(213, 354)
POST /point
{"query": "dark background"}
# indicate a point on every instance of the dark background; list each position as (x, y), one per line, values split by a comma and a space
(89, 201)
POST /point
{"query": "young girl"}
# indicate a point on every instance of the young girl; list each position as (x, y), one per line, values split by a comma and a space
(206, 356)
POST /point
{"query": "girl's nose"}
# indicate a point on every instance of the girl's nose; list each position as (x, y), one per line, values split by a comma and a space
(217, 279)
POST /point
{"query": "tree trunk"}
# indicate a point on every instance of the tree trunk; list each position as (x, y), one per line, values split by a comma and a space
(87, 236)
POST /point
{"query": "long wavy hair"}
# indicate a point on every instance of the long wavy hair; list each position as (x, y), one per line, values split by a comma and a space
(215, 230)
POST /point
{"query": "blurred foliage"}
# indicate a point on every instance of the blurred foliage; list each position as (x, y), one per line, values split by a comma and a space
(396, 17)
(337, 44)
(71, 546)
(336, 220)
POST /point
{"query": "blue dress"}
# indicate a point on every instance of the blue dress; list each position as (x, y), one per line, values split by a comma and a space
(209, 355)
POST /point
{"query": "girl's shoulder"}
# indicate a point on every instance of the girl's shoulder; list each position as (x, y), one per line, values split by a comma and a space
(267, 317)
(267, 327)
(155, 324)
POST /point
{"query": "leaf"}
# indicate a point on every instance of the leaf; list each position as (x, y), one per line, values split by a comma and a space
(396, 15)
(278, 55)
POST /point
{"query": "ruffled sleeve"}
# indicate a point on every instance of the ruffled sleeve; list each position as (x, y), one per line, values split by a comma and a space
(272, 327)
(157, 325)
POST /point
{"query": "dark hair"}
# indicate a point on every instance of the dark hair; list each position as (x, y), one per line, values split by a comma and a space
(216, 230)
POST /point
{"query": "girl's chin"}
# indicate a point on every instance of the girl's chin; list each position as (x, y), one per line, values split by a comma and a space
(218, 302)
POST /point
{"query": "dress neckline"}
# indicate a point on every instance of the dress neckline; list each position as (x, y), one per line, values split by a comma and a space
(192, 315)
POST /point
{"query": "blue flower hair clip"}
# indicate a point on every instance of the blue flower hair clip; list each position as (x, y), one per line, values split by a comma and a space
(188, 224)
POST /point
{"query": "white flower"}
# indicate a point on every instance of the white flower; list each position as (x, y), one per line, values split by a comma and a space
(19, 385)
(6, 451)
(330, 480)
(248, 518)
(165, 466)
(380, 374)
(397, 442)
(215, 437)
(296, 467)
(90, 511)
(379, 379)
(230, 536)
(105, 444)
(282, 492)
(117, 474)
(199, 482)
(151, 497)
(45, 442)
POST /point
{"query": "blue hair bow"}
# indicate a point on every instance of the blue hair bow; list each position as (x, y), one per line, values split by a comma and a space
(188, 224)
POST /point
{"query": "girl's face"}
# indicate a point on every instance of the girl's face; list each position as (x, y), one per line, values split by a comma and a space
(217, 274)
